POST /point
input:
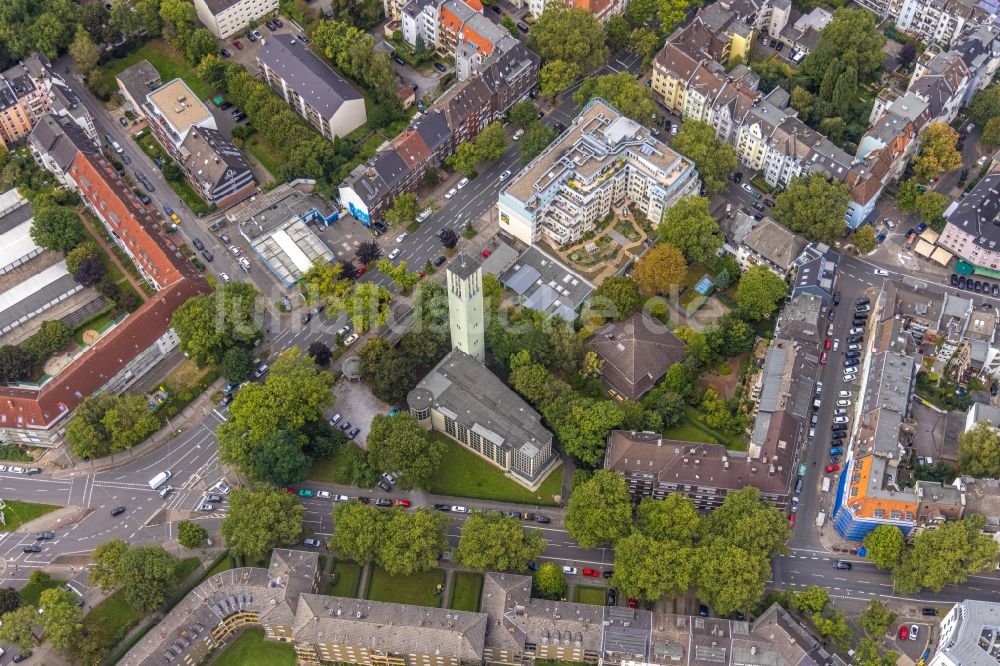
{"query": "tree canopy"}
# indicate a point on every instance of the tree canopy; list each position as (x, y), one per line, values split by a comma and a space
(145, 574)
(886, 545)
(615, 298)
(600, 510)
(938, 152)
(715, 159)
(660, 270)
(494, 542)
(947, 555)
(979, 451)
(759, 291)
(57, 228)
(210, 324)
(259, 521)
(623, 92)
(813, 207)
(570, 35)
(105, 423)
(690, 227)
(399, 444)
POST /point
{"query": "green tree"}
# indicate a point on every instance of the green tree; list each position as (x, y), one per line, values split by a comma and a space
(660, 270)
(864, 239)
(237, 364)
(991, 133)
(491, 142)
(615, 298)
(57, 228)
(906, 197)
(570, 35)
(358, 531)
(600, 510)
(104, 423)
(938, 152)
(83, 51)
(80, 253)
(367, 305)
(617, 31)
(876, 619)
(413, 541)
(671, 407)
(985, 105)
(851, 39)
(833, 627)
(61, 618)
(191, 535)
(200, 44)
(465, 159)
(728, 578)
(107, 558)
(811, 600)
(867, 654)
(730, 336)
(400, 444)
(646, 43)
(803, 102)
(524, 114)
(403, 210)
(556, 76)
(549, 582)
(671, 13)
(535, 139)
(402, 278)
(259, 521)
(15, 362)
(813, 207)
(278, 458)
(649, 569)
(209, 324)
(931, 206)
(845, 93)
(674, 519)
(17, 628)
(584, 431)
(979, 451)
(146, 575)
(886, 545)
(494, 542)
(715, 160)
(10, 600)
(759, 291)
(947, 555)
(129, 421)
(747, 522)
(688, 226)
(623, 92)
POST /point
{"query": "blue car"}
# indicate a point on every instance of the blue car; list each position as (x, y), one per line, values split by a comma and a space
(168, 210)
(836, 451)
(228, 388)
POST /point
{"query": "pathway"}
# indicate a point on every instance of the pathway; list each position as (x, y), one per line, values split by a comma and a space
(602, 270)
(98, 235)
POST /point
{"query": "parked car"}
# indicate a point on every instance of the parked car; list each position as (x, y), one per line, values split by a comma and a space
(460, 509)
(237, 44)
(929, 611)
(831, 468)
(592, 572)
(822, 358)
(312, 543)
(842, 564)
(904, 632)
(569, 570)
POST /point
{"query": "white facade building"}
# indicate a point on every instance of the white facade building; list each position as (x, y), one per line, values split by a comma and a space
(969, 635)
(227, 17)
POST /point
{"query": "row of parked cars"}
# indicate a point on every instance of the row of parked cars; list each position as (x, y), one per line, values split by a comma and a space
(14, 469)
(977, 286)
(344, 426)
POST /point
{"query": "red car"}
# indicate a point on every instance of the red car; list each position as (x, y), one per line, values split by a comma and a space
(904, 633)
(791, 520)
(632, 603)
(822, 358)
(826, 345)
(290, 491)
(236, 43)
(361, 270)
(831, 468)
(591, 572)
(486, 253)
(421, 274)
(403, 503)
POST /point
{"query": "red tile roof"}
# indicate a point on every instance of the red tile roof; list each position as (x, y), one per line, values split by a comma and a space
(39, 409)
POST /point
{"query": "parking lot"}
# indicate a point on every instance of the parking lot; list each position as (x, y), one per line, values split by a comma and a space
(356, 405)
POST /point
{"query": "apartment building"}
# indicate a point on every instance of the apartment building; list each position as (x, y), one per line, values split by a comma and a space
(314, 91)
(602, 162)
(172, 110)
(137, 343)
(771, 245)
(215, 167)
(969, 635)
(29, 90)
(602, 10)
(456, 116)
(225, 18)
(715, 33)
(940, 21)
(973, 229)
(942, 83)
(764, 130)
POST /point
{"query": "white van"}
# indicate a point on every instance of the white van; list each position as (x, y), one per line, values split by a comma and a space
(159, 479)
(117, 147)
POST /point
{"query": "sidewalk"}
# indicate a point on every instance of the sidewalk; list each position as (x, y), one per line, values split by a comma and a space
(198, 408)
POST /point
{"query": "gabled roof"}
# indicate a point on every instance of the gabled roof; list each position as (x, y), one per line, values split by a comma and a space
(60, 139)
(309, 76)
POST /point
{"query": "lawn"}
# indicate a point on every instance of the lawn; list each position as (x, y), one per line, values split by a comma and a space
(32, 592)
(464, 474)
(186, 567)
(731, 441)
(225, 563)
(332, 469)
(417, 590)
(98, 323)
(111, 619)
(170, 64)
(586, 594)
(686, 431)
(265, 153)
(465, 591)
(345, 578)
(251, 648)
(18, 513)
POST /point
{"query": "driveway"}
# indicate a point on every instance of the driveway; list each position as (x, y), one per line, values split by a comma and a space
(357, 405)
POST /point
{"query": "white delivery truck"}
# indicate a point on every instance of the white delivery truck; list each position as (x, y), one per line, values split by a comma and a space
(159, 479)
(820, 519)
(826, 484)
